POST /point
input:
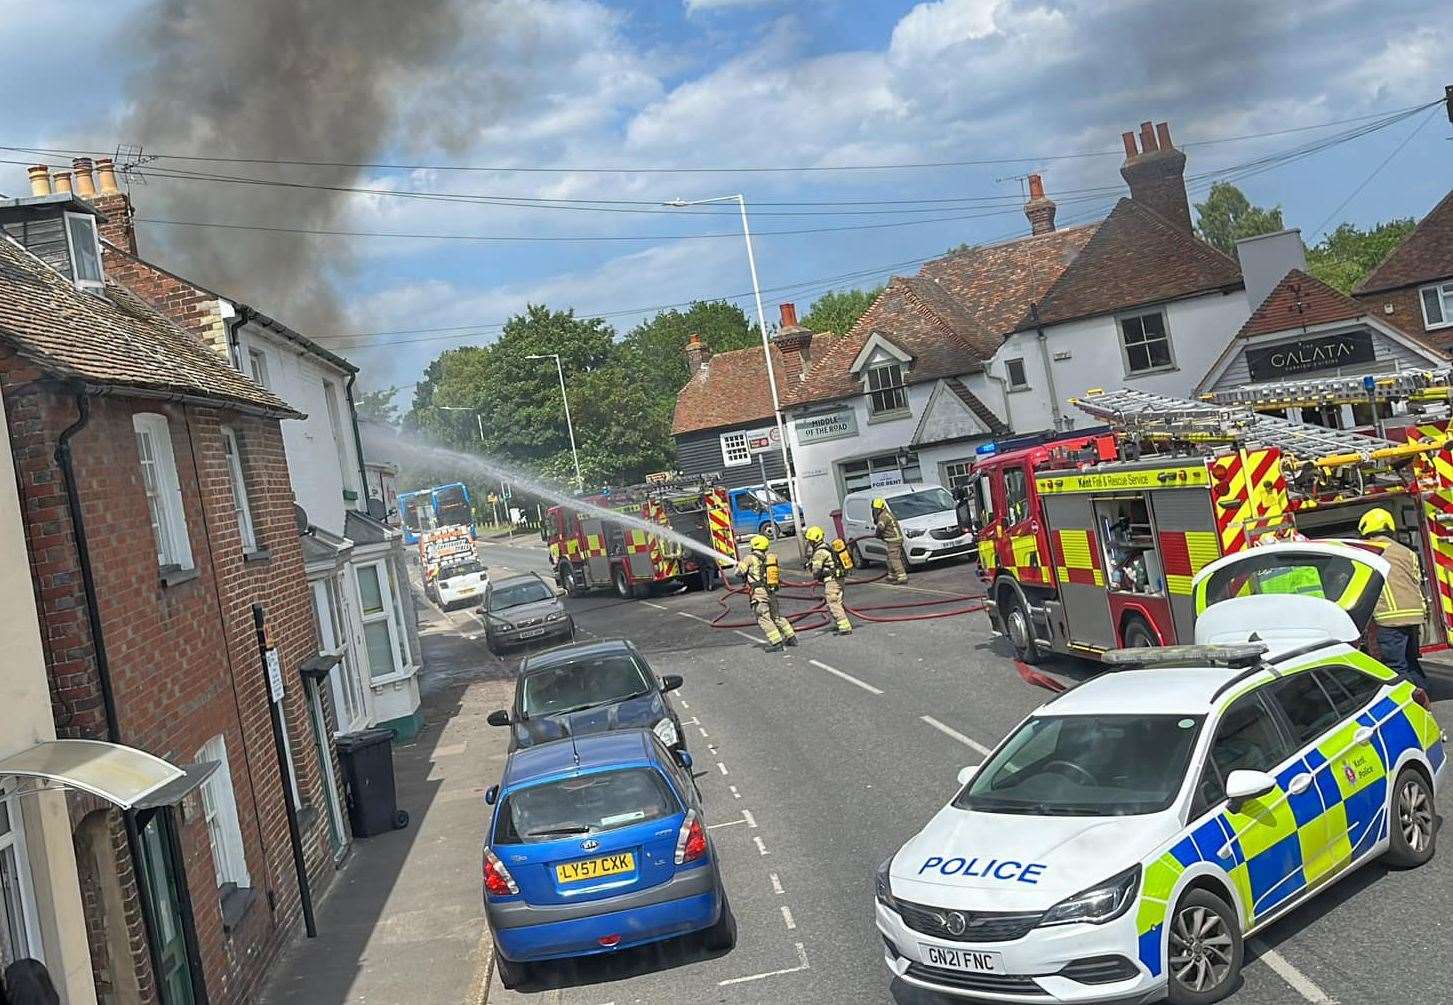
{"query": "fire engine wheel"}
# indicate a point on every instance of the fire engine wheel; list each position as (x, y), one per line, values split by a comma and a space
(1137, 634)
(1020, 629)
(623, 587)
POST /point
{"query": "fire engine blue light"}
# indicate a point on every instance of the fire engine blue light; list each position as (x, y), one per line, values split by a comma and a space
(1369, 383)
(985, 449)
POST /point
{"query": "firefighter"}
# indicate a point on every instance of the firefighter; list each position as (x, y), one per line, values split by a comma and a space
(828, 565)
(886, 529)
(1401, 607)
(759, 570)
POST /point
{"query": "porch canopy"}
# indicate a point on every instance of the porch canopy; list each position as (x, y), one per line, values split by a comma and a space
(116, 773)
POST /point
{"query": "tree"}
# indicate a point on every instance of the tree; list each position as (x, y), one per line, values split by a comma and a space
(1227, 216)
(1346, 255)
(655, 347)
(838, 310)
(378, 405)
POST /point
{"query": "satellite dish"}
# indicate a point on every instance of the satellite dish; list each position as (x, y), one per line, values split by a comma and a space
(300, 517)
(377, 508)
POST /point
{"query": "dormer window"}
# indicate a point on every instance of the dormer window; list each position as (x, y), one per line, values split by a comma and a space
(85, 246)
(885, 389)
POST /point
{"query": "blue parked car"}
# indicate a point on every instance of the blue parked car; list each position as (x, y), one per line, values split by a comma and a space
(758, 509)
(597, 844)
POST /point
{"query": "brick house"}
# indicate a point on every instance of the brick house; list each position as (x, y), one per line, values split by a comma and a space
(157, 512)
(1413, 287)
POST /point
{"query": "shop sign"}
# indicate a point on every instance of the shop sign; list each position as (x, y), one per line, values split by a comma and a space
(1322, 352)
(822, 428)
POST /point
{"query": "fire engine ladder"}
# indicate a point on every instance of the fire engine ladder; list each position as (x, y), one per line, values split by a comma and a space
(1161, 417)
(1406, 385)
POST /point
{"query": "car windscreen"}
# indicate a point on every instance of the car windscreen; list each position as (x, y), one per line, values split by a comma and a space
(921, 503)
(515, 594)
(588, 804)
(767, 496)
(460, 569)
(1086, 765)
(581, 684)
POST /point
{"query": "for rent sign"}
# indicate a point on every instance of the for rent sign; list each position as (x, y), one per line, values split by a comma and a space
(1322, 352)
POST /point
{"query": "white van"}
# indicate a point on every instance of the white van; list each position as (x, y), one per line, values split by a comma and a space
(926, 513)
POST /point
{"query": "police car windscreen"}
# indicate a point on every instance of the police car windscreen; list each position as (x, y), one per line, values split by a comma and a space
(581, 684)
(589, 804)
(1082, 765)
(923, 503)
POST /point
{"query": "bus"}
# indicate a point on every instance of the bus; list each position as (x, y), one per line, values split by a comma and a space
(440, 506)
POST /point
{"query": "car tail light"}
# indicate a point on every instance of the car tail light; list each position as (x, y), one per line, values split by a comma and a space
(691, 842)
(1421, 697)
(497, 879)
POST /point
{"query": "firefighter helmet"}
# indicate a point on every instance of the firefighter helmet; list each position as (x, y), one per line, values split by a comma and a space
(880, 504)
(813, 535)
(760, 542)
(1376, 521)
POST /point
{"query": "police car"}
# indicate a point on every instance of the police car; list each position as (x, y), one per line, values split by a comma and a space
(1125, 838)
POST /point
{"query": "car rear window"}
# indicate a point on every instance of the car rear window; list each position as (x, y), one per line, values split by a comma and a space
(1349, 687)
(1307, 707)
(586, 804)
(582, 683)
(460, 569)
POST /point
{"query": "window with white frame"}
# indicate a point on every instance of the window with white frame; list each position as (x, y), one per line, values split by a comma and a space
(19, 936)
(394, 578)
(330, 620)
(219, 810)
(381, 630)
(233, 451)
(734, 449)
(163, 489)
(1437, 305)
(1014, 371)
(884, 469)
(886, 392)
(85, 248)
(1145, 342)
(340, 443)
(257, 367)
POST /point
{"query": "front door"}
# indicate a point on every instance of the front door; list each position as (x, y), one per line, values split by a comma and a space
(319, 726)
(160, 867)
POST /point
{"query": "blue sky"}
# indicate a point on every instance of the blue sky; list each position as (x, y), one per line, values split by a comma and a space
(574, 84)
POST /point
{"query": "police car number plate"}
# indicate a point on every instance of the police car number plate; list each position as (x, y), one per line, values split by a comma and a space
(962, 959)
(591, 868)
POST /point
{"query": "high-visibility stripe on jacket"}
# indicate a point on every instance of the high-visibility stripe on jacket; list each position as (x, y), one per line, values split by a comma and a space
(1402, 601)
(886, 527)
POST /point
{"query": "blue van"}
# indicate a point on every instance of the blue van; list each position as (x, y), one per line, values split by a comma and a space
(758, 509)
(598, 844)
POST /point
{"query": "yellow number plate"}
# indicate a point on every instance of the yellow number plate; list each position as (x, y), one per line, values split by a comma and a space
(593, 868)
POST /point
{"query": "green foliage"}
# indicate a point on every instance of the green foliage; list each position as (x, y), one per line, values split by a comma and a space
(1226, 217)
(1346, 255)
(378, 405)
(838, 310)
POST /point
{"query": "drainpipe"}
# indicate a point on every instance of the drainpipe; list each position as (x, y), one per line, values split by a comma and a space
(1003, 393)
(357, 441)
(1059, 419)
(63, 459)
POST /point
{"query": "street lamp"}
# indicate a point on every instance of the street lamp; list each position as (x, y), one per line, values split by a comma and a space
(569, 426)
(741, 201)
(479, 416)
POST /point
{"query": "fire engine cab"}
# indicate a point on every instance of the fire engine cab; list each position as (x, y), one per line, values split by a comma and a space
(1089, 542)
(590, 552)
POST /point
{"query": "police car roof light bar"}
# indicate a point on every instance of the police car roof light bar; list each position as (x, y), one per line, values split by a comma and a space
(1235, 654)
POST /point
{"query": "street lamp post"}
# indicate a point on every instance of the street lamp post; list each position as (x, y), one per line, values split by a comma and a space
(741, 201)
(569, 426)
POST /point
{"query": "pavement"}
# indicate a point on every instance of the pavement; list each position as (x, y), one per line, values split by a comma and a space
(815, 765)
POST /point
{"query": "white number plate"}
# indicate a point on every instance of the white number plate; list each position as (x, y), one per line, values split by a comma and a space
(532, 633)
(962, 959)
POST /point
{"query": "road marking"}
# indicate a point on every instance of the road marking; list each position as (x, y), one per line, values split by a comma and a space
(703, 731)
(659, 607)
(950, 731)
(752, 638)
(751, 820)
(722, 767)
(787, 918)
(728, 823)
(802, 964)
(690, 722)
(776, 883)
(1298, 981)
(735, 793)
(761, 846)
(684, 705)
(693, 617)
(845, 676)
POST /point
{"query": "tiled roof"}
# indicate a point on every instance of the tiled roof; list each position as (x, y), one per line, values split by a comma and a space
(112, 341)
(976, 405)
(733, 387)
(1300, 301)
(1134, 258)
(1423, 256)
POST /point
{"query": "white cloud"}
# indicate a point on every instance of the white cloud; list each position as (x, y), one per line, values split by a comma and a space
(697, 6)
(930, 28)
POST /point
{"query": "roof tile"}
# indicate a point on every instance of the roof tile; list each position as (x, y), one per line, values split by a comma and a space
(1300, 301)
(1423, 256)
(732, 389)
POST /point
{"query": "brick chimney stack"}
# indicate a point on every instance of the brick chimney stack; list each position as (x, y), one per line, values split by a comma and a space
(1155, 171)
(791, 335)
(1039, 208)
(698, 355)
(115, 205)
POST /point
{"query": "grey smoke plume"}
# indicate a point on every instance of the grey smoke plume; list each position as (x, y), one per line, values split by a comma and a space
(291, 79)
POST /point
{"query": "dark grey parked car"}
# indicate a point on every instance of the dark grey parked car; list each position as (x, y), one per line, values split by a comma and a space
(522, 609)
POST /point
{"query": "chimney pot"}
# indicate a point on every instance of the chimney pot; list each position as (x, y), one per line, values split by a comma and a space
(106, 176)
(1147, 138)
(1162, 135)
(1040, 208)
(1036, 187)
(1129, 140)
(1156, 176)
(789, 315)
(39, 179)
(62, 181)
(696, 353)
(85, 183)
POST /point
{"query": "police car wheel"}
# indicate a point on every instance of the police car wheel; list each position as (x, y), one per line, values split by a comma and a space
(1203, 952)
(1414, 823)
(511, 974)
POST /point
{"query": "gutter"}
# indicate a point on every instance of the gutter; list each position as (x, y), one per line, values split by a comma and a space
(357, 441)
(1043, 339)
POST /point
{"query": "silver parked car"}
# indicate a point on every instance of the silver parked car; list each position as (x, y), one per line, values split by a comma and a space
(521, 609)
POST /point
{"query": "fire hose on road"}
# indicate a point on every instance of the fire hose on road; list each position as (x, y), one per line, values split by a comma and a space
(807, 592)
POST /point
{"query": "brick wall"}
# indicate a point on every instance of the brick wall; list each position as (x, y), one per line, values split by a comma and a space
(192, 307)
(1407, 314)
(183, 659)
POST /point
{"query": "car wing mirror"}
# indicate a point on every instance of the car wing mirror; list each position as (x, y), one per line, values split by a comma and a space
(559, 591)
(499, 717)
(684, 759)
(490, 795)
(671, 681)
(1242, 785)
(966, 774)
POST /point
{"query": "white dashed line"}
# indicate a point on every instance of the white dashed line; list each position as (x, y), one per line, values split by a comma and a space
(950, 731)
(693, 617)
(722, 767)
(659, 607)
(735, 793)
(776, 883)
(802, 964)
(685, 705)
(1299, 982)
(845, 676)
(726, 823)
(751, 820)
(702, 731)
(753, 638)
(761, 846)
(787, 918)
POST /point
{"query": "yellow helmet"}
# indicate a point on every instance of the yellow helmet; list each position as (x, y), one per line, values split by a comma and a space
(880, 503)
(1376, 521)
(812, 535)
(760, 542)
